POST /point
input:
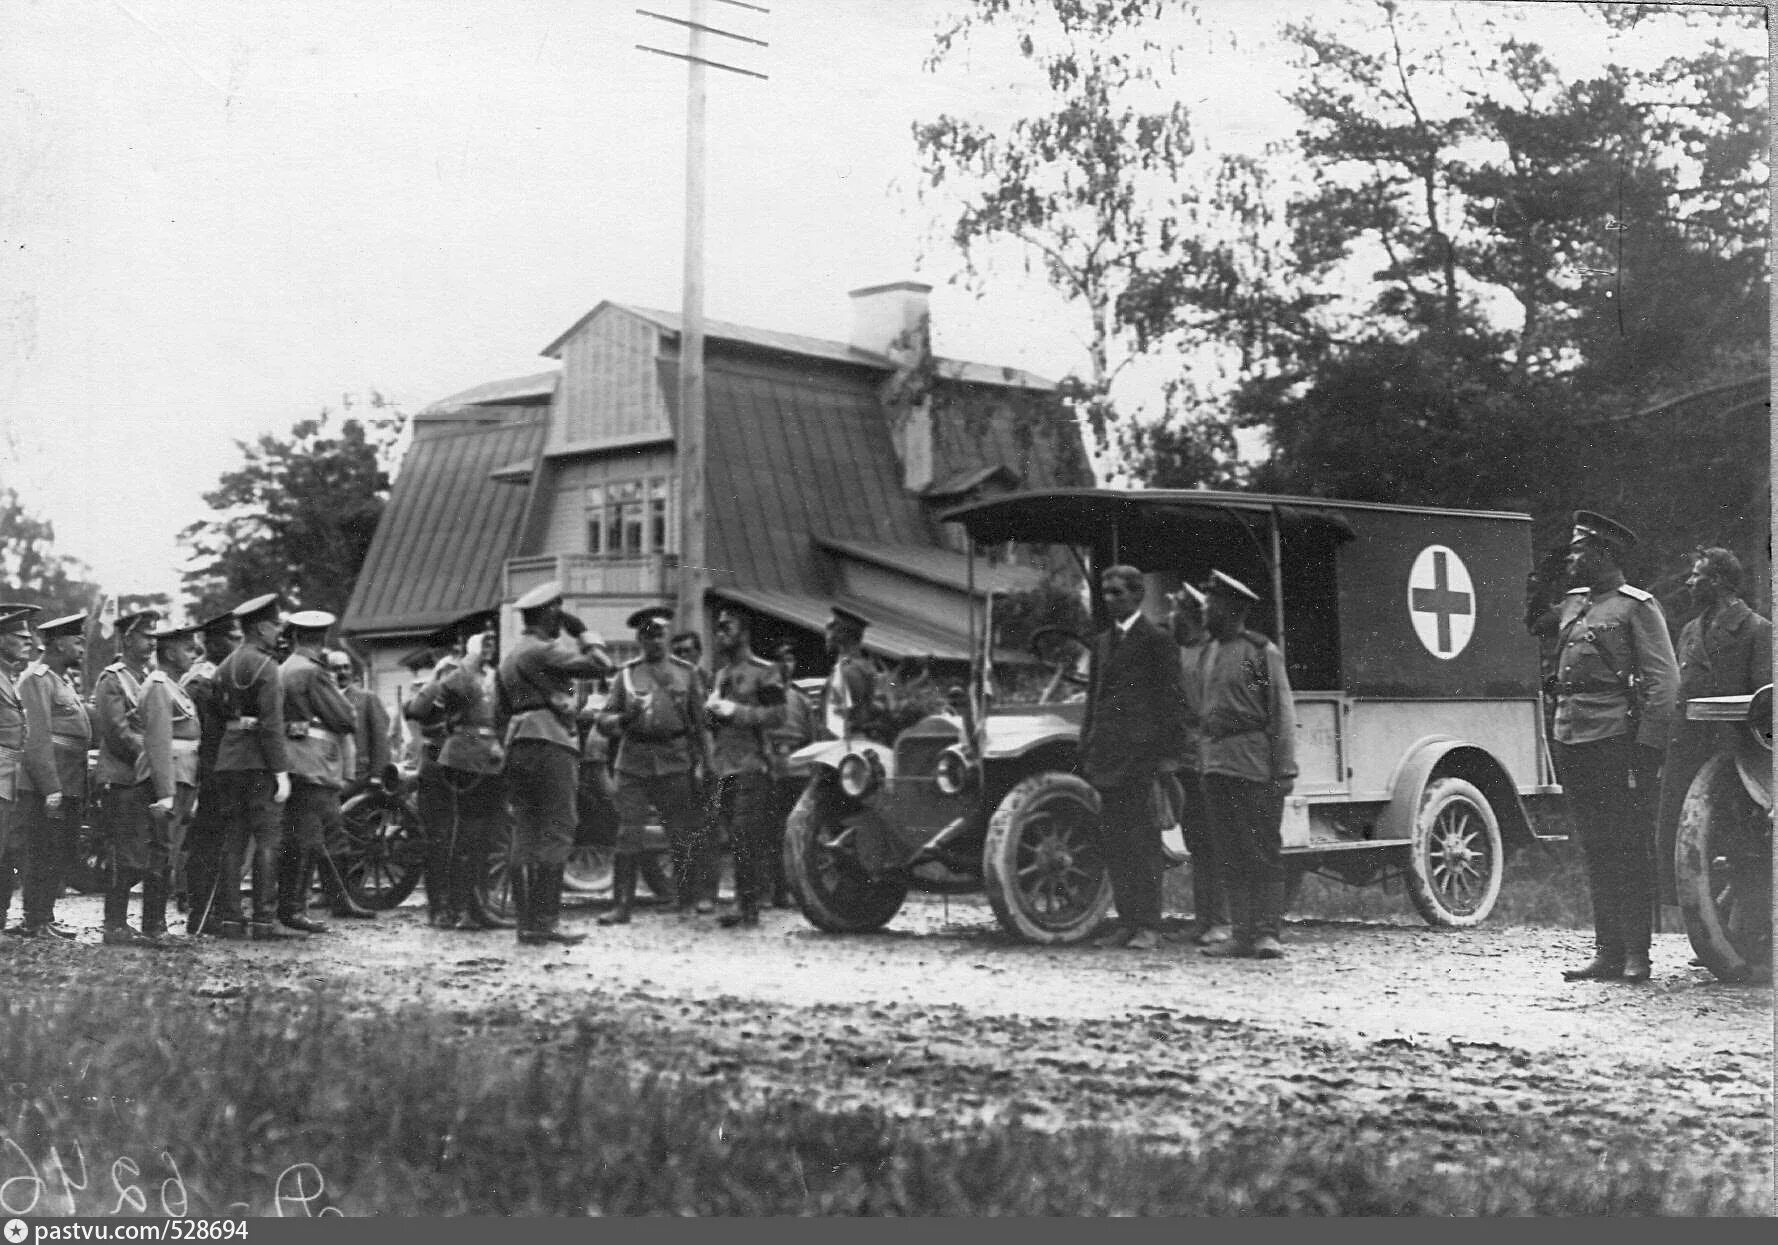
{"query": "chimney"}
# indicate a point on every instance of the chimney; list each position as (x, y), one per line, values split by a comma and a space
(891, 320)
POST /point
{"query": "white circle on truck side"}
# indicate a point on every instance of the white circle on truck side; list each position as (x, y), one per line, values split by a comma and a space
(1441, 601)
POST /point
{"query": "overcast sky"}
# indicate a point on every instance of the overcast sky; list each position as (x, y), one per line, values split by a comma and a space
(219, 218)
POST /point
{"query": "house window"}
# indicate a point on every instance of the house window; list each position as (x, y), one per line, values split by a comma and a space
(629, 518)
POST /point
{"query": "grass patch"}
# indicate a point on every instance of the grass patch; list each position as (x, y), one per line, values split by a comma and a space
(399, 1114)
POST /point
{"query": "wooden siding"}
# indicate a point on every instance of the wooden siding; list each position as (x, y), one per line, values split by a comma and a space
(610, 386)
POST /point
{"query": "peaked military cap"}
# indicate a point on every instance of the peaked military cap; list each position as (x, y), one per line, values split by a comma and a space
(16, 618)
(136, 620)
(310, 620)
(649, 618)
(68, 624)
(1229, 586)
(167, 631)
(1590, 525)
(461, 628)
(540, 596)
(850, 618)
(222, 624)
(258, 609)
(1187, 592)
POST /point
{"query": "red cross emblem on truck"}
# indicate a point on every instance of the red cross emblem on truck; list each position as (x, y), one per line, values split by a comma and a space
(1441, 601)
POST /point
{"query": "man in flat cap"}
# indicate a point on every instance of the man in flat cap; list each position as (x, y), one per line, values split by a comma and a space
(116, 693)
(1134, 717)
(220, 636)
(655, 715)
(319, 728)
(252, 771)
(166, 771)
(537, 701)
(15, 647)
(1725, 650)
(462, 787)
(1616, 679)
(53, 786)
(1248, 724)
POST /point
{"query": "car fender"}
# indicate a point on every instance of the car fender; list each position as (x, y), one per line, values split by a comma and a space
(829, 753)
(1008, 738)
(1461, 759)
(1409, 780)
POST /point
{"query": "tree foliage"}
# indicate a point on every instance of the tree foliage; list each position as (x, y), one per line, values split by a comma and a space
(1103, 188)
(31, 571)
(297, 516)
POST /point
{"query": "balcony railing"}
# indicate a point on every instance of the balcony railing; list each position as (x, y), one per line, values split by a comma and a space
(585, 574)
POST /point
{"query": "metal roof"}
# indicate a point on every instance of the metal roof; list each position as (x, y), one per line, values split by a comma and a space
(513, 389)
(943, 567)
(811, 347)
(440, 548)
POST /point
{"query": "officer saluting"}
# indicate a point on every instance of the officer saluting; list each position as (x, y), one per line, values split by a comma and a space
(536, 698)
(1615, 683)
(656, 714)
(53, 787)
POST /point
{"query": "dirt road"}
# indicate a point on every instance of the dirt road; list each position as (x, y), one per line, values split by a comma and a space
(1469, 1034)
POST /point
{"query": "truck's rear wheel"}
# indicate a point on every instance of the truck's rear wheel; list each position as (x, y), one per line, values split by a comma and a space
(1722, 865)
(831, 886)
(1455, 860)
(1041, 863)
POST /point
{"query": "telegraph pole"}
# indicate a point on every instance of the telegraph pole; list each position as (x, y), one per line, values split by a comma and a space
(689, 440)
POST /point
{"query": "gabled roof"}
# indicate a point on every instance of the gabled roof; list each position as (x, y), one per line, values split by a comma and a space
(809, 347)
(960, 482)
(440, 548)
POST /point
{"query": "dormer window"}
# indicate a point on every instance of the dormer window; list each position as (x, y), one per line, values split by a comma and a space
(628, 519)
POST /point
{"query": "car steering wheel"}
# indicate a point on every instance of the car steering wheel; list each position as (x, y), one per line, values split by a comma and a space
(1059, 647)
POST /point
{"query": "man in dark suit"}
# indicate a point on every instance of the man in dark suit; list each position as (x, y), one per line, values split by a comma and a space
(1135, 714)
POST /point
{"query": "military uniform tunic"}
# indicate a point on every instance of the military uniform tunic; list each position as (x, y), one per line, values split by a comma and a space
(166, 766)
(12, 749)
(252, 753)
(537, 696)
(1616, 679)
(116, 694)
(62, 732)
(741, 756)
(656, 714)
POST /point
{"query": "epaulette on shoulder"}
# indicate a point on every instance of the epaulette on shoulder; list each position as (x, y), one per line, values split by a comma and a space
(680, 661)
(1581, 589)
(757, 660)
(1636, 594)
(116, 667)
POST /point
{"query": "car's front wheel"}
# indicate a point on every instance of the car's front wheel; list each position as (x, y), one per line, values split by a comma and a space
(1041, 863)
(1723, 869)
(832, 887)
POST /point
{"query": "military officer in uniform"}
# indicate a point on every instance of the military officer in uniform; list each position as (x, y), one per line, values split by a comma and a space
(462, 787)
(1210, 906)
(53, 786)
(319, 727)
(204, 836)
(370, 732)
(252, 771)
(122, 820)
(15, 645)
(166, 770)
(655, 713)
(537, 700)
(1134, 718)
(1248, 757)
(1725, 651)
(746, 702)
(1615, 684)
(850, 699)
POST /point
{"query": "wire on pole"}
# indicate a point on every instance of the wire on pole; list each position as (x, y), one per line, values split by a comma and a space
(714, 30)
(681, 56)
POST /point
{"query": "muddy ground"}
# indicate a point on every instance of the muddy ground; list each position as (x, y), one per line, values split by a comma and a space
(1469, 1035)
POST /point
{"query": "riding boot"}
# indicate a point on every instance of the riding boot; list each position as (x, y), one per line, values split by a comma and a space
(293, 891)
(154, 903)
(623, 889)
(466, 896)
(117, 897)
(521, 899)
(546, 902)
(339, 899)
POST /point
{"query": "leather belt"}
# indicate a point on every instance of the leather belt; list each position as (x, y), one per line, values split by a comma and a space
(71, 741)
(1564, 688)
(241, 724)
(476, 732)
